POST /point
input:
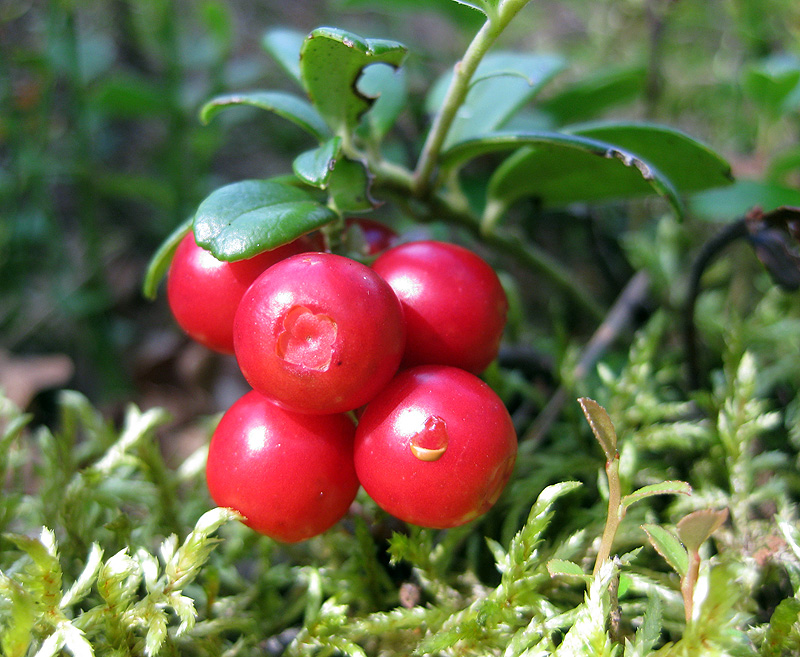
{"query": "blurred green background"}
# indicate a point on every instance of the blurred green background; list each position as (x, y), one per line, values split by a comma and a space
(102, 153)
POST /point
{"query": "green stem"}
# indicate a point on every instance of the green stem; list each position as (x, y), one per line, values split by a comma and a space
(615, 513)
(398, 183)
(457, 92)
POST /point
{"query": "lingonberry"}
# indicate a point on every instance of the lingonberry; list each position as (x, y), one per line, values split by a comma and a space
(290, 475)
(203, 293)
(436, 447)
(454, 305)
(319, 333)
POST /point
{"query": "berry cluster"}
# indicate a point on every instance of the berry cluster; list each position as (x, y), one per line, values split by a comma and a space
(361, 376)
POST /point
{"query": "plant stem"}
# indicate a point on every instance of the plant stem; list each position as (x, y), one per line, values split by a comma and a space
(398, 183)
(615, 513)
(688, 584)
(457, 92)
(709, 252)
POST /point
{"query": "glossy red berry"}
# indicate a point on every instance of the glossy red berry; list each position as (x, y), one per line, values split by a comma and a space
(290, 475)
(203, 293)
(436, 447)
(319, 333)
(454, 305)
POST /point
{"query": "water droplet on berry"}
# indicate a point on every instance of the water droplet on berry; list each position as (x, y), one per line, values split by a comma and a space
(430, 443)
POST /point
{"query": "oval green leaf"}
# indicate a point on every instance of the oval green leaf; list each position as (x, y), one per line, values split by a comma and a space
(284, 45)
(289, 106)
(503, 82)
(588, 98)
(669, 547)
(558, 169)
(690, 165)
(349, 187)
(331, 62)
(737, 200)
(663, 488)
(316, 166)
(245, 218)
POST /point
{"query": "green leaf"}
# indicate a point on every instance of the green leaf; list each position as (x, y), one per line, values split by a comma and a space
(159, 264)
(349, 187)
(522, 546)
(649, 631)
(81, 586)
(43, 552)
(771, 82)
(588, 98)
(696, 528)
(690, 165)
(669, 547)
(468, 15)
(565, 568)
(783, 619)
(388, 86)
(473, 5)
(558, 169)
(738, 199)
(287, 105)
(218, 20)
(315, 167)
(129, 96)
(602, 426)
(118, 579)
(503, 82)
(331, 62)
(284, 45)
(16, 636)
(246, 218)
(664, 488)
(156, 622)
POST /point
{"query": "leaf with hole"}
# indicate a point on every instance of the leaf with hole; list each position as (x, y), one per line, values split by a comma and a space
(245, 218)
(331, 63)
(387, 85)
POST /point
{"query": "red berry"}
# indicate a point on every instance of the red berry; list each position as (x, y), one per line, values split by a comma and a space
(319, 333)
(436, 447)
(290, 475)
(454, 305)
(204, 293)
